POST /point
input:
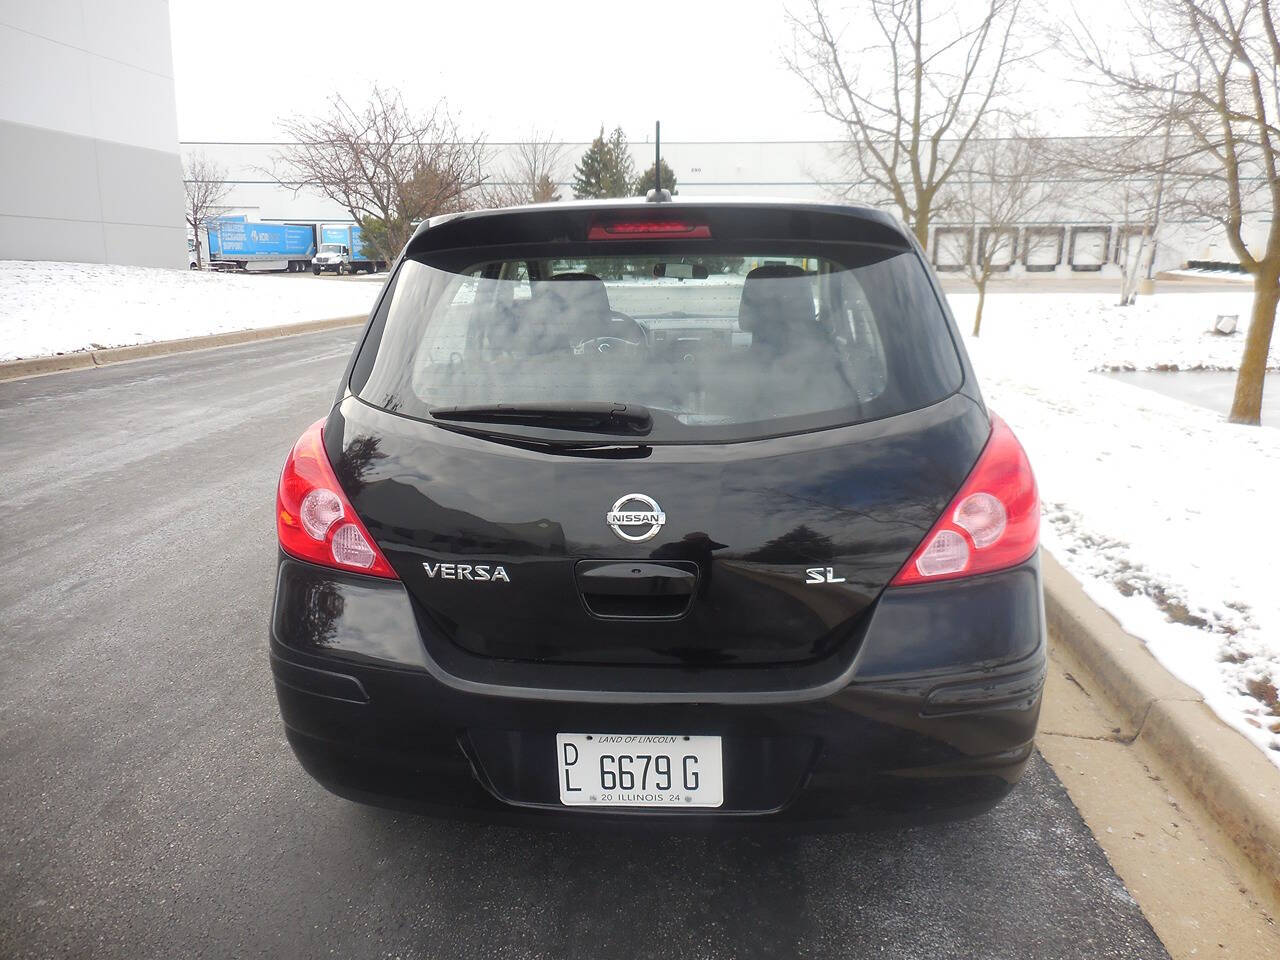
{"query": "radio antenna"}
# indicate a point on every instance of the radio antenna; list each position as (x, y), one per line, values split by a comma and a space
(657, 155)
(657, 194)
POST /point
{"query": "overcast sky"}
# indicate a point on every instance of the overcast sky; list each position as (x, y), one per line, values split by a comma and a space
(708, 69)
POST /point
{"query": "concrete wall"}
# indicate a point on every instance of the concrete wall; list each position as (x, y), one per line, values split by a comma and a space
(89, 166)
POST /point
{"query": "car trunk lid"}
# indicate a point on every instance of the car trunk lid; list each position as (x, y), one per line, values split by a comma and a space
(768, 552)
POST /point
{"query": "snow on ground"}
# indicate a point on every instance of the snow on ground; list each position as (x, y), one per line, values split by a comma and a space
(1088, 331)
(1163, 510)
(48, 308)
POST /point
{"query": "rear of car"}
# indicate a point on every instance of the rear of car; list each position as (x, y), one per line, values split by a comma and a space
(677, 511)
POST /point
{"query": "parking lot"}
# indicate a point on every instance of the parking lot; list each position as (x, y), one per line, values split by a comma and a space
(154, 809)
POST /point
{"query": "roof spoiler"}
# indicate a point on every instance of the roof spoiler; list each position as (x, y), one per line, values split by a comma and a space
(701, 224)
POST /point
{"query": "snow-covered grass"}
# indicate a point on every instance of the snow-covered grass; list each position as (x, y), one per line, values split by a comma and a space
(1088, 331)
(48, 308)
(1163, 510)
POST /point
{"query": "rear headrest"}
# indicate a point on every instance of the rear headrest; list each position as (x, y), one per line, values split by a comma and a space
(777, 304)
(572, 307)
(775, 270)
(580, 293)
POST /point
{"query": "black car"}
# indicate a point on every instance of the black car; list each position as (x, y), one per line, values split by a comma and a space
(677, 512)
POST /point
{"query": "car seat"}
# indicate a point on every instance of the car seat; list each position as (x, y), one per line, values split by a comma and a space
(777, 310)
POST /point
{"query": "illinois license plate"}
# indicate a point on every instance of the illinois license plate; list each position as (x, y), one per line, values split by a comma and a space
(639, 770)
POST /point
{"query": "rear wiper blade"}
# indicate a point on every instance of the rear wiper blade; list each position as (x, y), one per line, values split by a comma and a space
(600, 449)
(626, 419)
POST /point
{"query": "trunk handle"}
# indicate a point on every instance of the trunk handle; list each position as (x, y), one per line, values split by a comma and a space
(636, 578)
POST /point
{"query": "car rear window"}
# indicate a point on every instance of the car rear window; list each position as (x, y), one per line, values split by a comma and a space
(721, 345)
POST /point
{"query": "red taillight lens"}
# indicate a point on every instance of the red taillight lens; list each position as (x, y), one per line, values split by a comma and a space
(314, 521)
(630, 229)
(993, 522)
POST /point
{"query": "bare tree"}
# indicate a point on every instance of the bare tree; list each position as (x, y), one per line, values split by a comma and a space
(1139, 221)
(1119, 179)
(912, 100)
(531, 175)
(1207, 70)
(1001, 187)
(207, 187)
(389, 167)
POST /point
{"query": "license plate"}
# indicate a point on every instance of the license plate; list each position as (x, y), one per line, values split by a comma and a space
(639, 770)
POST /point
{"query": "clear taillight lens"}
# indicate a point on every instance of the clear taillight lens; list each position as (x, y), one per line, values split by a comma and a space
(983, 517)
(946, 553)
(320, 510)
(351, 549)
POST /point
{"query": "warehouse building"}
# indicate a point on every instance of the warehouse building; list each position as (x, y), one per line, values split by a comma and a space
(89, 167)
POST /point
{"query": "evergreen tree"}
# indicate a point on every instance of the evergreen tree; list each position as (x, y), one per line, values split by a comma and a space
(605, 170)
(644, 183)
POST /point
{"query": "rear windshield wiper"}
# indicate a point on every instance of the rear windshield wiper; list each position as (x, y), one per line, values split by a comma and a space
(624, 419)
(604, 448)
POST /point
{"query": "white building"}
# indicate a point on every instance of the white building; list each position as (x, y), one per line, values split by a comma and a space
(89, 166)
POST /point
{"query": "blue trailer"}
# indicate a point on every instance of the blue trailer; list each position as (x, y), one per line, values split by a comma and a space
(342, 250)
(235, 242)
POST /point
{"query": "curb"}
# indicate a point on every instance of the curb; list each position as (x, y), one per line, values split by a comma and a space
(1234, 783)
(81, 360)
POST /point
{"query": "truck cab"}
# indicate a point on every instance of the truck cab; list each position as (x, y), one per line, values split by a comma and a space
(343, 250)
(335, 257)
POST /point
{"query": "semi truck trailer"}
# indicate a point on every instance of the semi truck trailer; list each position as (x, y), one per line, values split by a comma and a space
(237, 243)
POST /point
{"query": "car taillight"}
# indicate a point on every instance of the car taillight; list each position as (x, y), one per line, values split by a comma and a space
(314, 520)
(659, 227)
(993, 522)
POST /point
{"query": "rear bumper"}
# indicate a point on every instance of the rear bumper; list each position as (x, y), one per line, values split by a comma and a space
(933, 718)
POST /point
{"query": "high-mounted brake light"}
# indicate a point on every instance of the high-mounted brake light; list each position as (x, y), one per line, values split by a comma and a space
(992, 524)
(653, 227)
(314, 520)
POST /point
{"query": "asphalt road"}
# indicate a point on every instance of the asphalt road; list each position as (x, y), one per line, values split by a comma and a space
(151, 808)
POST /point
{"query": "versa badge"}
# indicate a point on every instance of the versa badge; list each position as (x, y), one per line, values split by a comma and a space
(483, 572)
